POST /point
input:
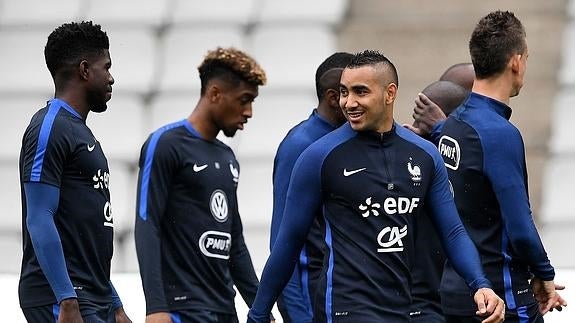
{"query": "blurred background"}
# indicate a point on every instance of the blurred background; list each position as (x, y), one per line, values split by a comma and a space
(156, 46)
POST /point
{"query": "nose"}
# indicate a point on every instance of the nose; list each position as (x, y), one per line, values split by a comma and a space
(347, 102)
(248, 111)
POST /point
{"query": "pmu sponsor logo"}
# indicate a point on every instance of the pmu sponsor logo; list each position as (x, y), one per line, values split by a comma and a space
(391, 206)
(216, 244)
(389, 239)
(449, 149)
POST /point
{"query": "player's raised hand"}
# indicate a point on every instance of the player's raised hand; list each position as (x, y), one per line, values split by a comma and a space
(545, 292)
(489, 305)
(426, 114)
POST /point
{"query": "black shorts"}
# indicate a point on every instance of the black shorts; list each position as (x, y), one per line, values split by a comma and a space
(202, 316)
(91, 313)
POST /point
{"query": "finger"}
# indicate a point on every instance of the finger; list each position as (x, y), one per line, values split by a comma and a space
(424, 99)
(412, 128)
(480, 301)
(559, 287)
(498, 314)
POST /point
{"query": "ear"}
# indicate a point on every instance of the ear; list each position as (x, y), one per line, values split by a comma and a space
(391, 91)
(84, 70)
(214, 93)
(332, 97)
(515, 62)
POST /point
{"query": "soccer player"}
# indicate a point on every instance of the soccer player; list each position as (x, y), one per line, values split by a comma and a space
(295, 302)
(428, 265)
(189, 238)
(485, 157)
(67, 221)
(370, 178)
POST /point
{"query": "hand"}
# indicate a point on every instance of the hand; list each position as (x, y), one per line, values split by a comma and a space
(70, 311)
(545, 292)
(426, 115)
(159, 317)
(490, 305)
(121, 316)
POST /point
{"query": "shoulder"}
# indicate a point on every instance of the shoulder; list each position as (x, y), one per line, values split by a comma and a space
(425, 145)
(322, 147)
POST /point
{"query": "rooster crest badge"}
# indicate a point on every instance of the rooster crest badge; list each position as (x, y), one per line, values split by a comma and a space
(414, 170)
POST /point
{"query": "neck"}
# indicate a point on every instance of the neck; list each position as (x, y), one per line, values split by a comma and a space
(498, 88)
(202, 122)
(75, 100)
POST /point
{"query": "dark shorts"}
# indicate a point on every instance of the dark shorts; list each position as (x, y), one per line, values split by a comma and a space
(91, 313)
(524, 314)
(202, 316)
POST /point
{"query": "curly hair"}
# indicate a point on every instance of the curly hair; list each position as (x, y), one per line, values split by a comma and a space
(496, 38)
(231, 65)
(73, 42)
(374, 57)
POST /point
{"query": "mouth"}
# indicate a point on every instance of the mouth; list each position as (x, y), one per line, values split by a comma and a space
(354, 115)
(241, 125)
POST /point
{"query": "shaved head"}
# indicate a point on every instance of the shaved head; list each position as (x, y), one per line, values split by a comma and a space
(447, 95)
(461, 74)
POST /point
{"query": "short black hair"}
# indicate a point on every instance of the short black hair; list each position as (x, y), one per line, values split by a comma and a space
(447, 95)
(496, 38)
(73, 42)
(336, 60)
(231, 65)
(374, 57)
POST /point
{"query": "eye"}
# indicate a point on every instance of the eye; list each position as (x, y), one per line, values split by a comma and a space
(342, 92)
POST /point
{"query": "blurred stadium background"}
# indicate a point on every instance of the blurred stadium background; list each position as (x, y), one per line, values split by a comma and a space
(156, 46)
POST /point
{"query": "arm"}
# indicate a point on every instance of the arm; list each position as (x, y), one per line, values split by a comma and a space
(118, 307)
(287, 154)
(303, 198)
(154, 181)
(41, 205)
(241, 267)
(508, 177)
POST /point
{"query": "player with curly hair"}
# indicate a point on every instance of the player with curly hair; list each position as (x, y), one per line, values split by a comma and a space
(67, 221)
(189, 238)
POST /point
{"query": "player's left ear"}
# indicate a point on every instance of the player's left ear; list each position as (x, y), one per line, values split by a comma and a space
(83, 69)
(214, 93)
(391, 91)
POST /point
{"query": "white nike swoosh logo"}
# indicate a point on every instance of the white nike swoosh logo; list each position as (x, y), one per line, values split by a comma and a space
(199, 168)
(90, 148)
(347, 173)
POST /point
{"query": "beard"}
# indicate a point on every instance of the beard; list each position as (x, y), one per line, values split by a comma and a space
(99, 108)
(230, 132)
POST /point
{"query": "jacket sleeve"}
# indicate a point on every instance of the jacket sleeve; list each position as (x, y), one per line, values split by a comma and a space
(303, 198)
(42, 203)
(157, 163)
(504, 162)
(292, 295)
(241, 266)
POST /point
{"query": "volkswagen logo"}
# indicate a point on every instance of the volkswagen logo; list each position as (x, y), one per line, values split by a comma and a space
(219, 205)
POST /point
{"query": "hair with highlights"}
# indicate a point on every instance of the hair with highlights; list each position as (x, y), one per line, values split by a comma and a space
(231, 65)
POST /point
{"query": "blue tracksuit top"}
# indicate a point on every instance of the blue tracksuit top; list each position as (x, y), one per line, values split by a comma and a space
(485, 157)
(370, 187)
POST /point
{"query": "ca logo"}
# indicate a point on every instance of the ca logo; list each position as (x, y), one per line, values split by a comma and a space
(393, 235)
(219, 205)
